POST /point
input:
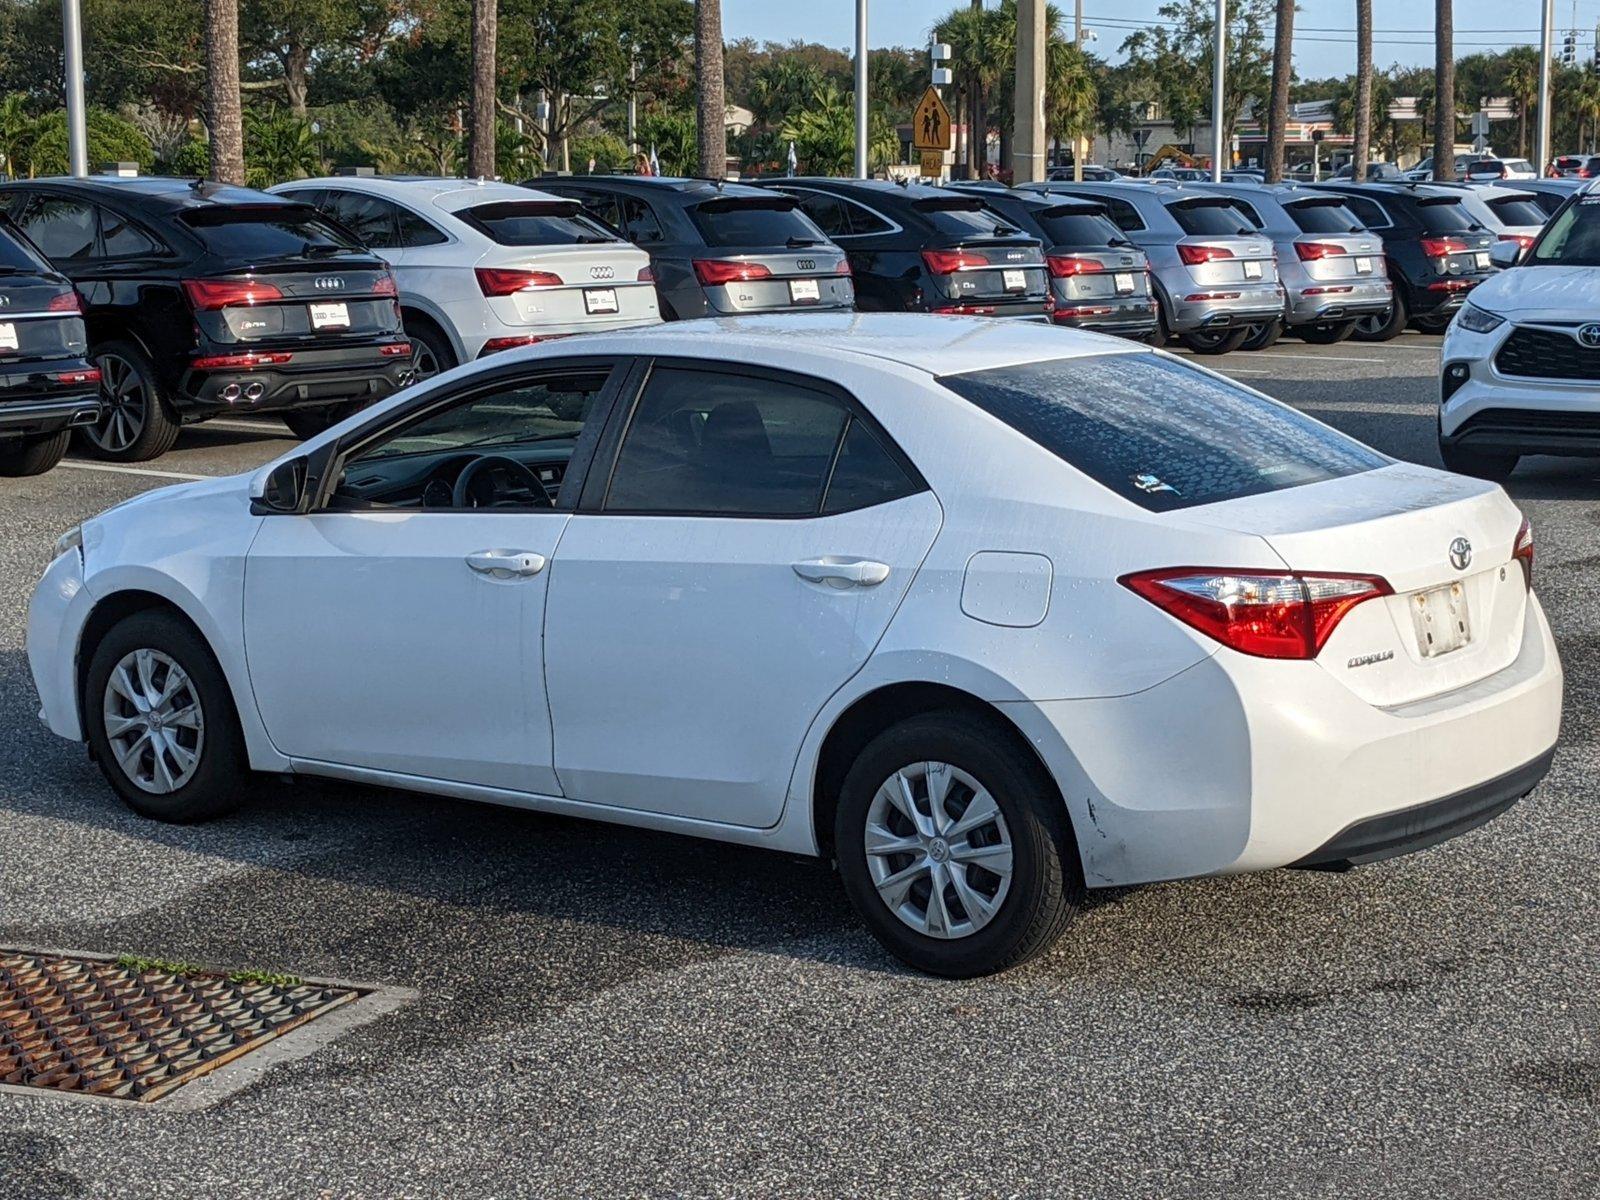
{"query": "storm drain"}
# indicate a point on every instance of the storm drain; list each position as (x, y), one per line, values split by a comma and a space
(132, 1031)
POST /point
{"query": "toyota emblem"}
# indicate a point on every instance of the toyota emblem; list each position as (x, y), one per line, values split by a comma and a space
(1589, 335)
(602, 272)
(327, 283)
(1461, 554)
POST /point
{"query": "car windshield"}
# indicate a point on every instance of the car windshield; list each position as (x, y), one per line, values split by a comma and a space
(1571, 239)
(758, 221)
(268, 231)
(1323, 216)
(536, 223)
(1160, 433)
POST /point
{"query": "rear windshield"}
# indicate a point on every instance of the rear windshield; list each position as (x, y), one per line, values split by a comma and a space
(536, 223)
(1077, 228)
(961, 220)
(1321, 217)
(268, 231)
(15, 254)
(1210, 218)
(1444, 216)
(1517, 210)
(1572, 239)
(755, 222)
(1160, 433)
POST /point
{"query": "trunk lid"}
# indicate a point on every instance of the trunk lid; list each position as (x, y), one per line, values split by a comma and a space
(1219, 244)
(30, 329)
(1405, 523)
(1331, 246)
(599, 284)
(299, 301)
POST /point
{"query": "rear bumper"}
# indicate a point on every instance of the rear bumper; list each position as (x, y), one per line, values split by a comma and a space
(1124, 317)
(311, 379)
(34, 401)
(1365, 297)
(1234, 304)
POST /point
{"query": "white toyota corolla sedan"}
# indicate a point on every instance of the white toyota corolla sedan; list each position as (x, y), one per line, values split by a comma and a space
(989, 612)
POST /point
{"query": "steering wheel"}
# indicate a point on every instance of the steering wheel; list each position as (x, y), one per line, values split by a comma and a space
(501, 473)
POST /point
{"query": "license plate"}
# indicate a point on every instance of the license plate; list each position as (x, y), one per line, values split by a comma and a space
(600, 300)
(1482, 259)
(1014, 281)
(1440, 618)
(804, 291)
(330, 316)
(1363, 266)
(1252, 269)
(8, 336)
(1124, 284)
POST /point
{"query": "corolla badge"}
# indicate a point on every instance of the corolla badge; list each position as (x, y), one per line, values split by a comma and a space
(1461, 554)
(1589, 335)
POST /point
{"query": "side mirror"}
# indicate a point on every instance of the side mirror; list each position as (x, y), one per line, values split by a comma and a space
(1505, 254)
(283, 490)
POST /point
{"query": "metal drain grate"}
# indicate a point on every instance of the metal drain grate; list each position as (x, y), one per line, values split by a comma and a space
(131, 1032)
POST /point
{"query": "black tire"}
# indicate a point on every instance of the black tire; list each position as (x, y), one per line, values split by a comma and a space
(1216, 341)
(33, 456)
(1163, 332)
(221, 778)
(1386, 326)
(1262, 336)
(430, 349)
(1329, 333)
(137, 421)
(1479, 464)
(308, 422)
(1046, 884)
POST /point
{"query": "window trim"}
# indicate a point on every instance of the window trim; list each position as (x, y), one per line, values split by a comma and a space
(602, 469)
(894, 226)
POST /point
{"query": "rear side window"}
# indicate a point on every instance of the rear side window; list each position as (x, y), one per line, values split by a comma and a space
(536, 223)
(372, 220)
(1444, 216)
(754, 222)
(1515, 210)
(269, 231)
(64, 229)
(414, 231)
(1368, 212)
(1160, 433)
(1317, 217)
(1250, 214)
(1210, 219)
(121, 238)
(16, 254)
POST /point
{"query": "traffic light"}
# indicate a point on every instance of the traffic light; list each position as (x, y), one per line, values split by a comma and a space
(1569, 49)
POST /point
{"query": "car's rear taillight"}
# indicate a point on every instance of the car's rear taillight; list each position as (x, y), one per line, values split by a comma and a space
(386, 286)
(948, 262)
(1522, 550)
(713, 272)
(1312, 251)
(243, 361)
(207, 295)
(1441, 247)
(496, 344)
(395, 350)
(1195, 255)
(1262, 613)
(843, 268)
(65, 302)
(1524, 240)
(1064, 266)
(92, 375)
(646, 275)
(505, 281)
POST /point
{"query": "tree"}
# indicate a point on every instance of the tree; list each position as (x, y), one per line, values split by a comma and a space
(824, 134)
(1444, 91)
(1521, 81)
(1282, 71)
(1173, 61)
(1362, 147)
(711, 108)
(1072, 97)
(480, 155)
(224, 109)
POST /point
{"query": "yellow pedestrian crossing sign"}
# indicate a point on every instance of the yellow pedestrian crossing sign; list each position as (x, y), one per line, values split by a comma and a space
(930, 124)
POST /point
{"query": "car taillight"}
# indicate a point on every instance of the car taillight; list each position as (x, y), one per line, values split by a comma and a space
(1261, 613)
(240, 362)
(1312, 251)
(1522, 550)
(395, 350)
(713, 272)
(504, 281)
(65, 302)
(1064, 266)
(207, 295)
(948, 262)
(646, 275)
(92, 375)
(1196, 255)
(496, 344)
(843, 268)
(386, 286)
(1523, 240)
(1440, 247)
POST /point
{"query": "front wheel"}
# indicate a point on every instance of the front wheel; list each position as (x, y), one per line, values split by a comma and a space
(34, 456)
(954, 847)
(1216, 341)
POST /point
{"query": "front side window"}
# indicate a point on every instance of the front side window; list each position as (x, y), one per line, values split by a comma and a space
(64, 229)
(1159, 433)
(717, 444)
(1572, 239)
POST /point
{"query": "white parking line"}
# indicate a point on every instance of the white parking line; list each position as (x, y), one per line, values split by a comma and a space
(116, 470)
(271, 429)
(1316, 357)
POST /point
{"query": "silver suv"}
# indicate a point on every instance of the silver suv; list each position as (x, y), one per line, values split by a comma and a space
(1215, 279)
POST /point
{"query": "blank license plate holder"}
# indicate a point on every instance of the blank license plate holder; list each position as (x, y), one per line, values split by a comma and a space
(1441, 619)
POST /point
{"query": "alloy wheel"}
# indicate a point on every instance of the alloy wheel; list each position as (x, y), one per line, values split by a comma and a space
(938, 850)
(153, 721)
(1373, 324)
(124, 405)
(424, 362)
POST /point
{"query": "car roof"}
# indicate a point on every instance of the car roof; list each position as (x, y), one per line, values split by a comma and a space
(872, 187)
(155, 191)
(937, 345)
(443, 192)
(699, 189)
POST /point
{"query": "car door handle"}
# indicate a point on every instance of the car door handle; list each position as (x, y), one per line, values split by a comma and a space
(506, 564)
(843, 572)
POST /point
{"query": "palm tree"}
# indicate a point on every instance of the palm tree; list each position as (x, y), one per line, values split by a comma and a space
(1071, 97)
(1586, 99)
(711, 110)
(1361, 149)
(1444, 91)
(824, 133)
(1522, 82)
(1282, 71)
(485, 30)
(224, 111)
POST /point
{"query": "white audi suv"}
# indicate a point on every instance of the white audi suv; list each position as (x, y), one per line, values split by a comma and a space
(987, 612)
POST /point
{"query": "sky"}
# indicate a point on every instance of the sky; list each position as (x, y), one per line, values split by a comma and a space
(1324, 29)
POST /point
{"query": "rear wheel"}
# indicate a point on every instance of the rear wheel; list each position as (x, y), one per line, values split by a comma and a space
(1215, 341)
(137, 421)
(1328, 333)
(1478, 463)
(954, 847)
(34, 456)
(430, 350)
(1262, 336)
(308, 422)
(1163, 332)
(1384, 326)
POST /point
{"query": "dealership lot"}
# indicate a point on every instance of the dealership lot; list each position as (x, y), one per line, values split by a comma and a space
(601, 1011)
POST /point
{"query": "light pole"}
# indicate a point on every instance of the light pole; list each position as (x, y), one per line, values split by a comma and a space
(1543, 136)
(72, 47)
(1219, 70)
(861, 89)
(1028, 150)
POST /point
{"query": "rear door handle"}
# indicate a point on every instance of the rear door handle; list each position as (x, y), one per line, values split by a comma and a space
(506, 564)
(843, 572)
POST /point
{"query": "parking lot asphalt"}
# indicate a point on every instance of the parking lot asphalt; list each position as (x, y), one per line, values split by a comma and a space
(603, 1012)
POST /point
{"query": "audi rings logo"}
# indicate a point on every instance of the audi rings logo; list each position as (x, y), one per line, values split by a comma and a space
(1589, 335)
(805, 264)
(1461, 554)
(602, 272)
(327, 283)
